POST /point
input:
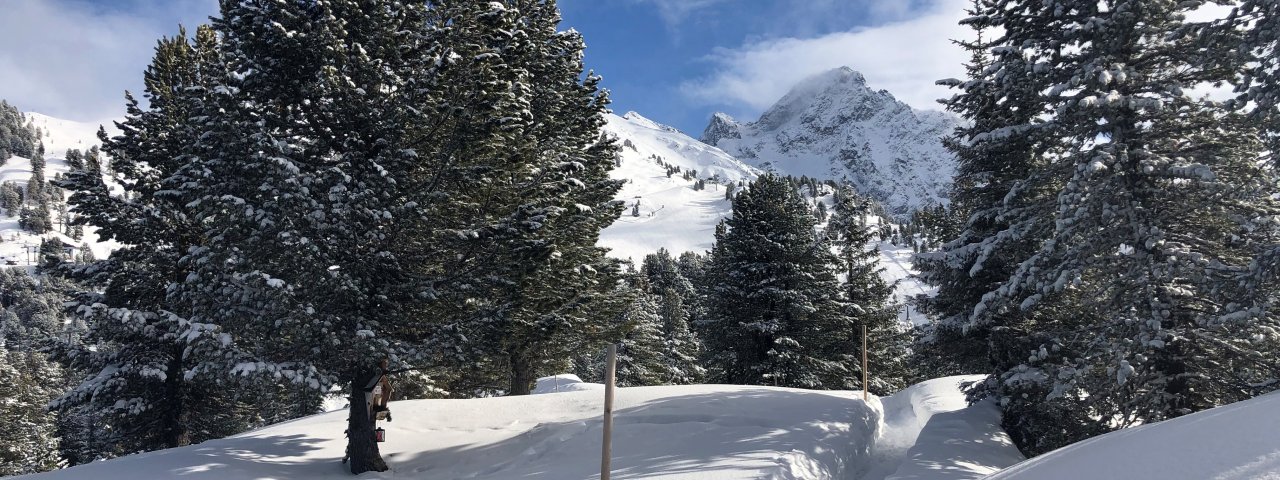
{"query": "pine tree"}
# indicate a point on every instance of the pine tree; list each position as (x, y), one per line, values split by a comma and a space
(1003, 201)
(550, 288)
(1132, 306)
(27, 443)
(35, 217)
(867, 297)
(17, 136)
(142, 351)
(774, 316)
(680, 347)
(640, 359)
(10, 199)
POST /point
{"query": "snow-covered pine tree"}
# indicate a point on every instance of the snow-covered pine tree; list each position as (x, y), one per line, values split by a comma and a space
(27, 441)
(774, 314)
(997, 194)
(297, 180)
(536, 200)
(17, 136)
(1252, 33)
(30, 311)
(640, 360)
(140, 355)
(35, 216)
(867, 297)
(681, 348)
(1134, 299)
(10, 199)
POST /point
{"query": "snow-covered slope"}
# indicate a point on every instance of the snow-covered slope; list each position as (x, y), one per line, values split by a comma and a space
(61, 135)
(1240, 441)
(832, 125)
(58, 136)
(687, 432)
(672, 214)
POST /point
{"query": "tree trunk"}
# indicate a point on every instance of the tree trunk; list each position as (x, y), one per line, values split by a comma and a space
(362, 446)
(521, 374)
(176, 417)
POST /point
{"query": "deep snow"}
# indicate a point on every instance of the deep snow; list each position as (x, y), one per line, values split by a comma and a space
(1240, 441)
(689, 432)
(672, 432)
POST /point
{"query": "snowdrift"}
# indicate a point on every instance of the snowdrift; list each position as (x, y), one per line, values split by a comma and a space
(932, 433)
(1240, 441)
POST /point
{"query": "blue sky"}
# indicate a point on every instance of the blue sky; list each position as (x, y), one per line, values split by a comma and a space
(675, 61)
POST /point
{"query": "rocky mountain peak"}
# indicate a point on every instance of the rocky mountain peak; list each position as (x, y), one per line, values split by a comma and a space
(832, 125)
(722, 126)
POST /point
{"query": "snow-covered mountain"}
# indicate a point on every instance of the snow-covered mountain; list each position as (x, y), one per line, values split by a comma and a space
(671, 213)
(832, 125)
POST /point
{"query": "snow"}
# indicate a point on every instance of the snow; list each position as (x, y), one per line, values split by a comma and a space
(673, 215)
(669, 432)
(832, 125)
(934, 434)
(567, 382)
(896, 262)
(685, 432)
(58, 136)
(1240, 441)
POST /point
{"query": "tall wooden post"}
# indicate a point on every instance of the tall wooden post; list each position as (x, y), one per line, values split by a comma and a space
(864, 362)
(606, 449)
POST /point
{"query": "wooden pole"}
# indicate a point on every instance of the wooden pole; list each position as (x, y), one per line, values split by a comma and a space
(606, 449)
(864, 362)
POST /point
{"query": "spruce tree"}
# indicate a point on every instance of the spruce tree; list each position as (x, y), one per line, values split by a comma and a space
(27, 440)
(35, 216)
(675, 294)
(640, 359)
(1003, 201)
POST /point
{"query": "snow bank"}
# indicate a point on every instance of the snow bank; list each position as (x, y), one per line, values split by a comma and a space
(1233, 442)
(679, 432)
(932, 433)
(566, 382)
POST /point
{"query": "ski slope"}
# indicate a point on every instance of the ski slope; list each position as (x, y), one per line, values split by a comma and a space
(58, 136)
(672, 215)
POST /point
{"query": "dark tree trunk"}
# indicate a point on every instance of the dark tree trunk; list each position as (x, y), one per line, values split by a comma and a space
(176, 417)
(362, 447)
(522, 375)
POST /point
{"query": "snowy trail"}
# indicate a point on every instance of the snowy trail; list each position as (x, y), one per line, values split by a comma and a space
(930, 432)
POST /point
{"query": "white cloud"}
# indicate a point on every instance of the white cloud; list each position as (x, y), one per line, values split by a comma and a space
(75, 60)
(674, 12)
(904, 57)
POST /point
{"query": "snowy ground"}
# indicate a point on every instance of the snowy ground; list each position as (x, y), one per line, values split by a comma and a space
(686, 432)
